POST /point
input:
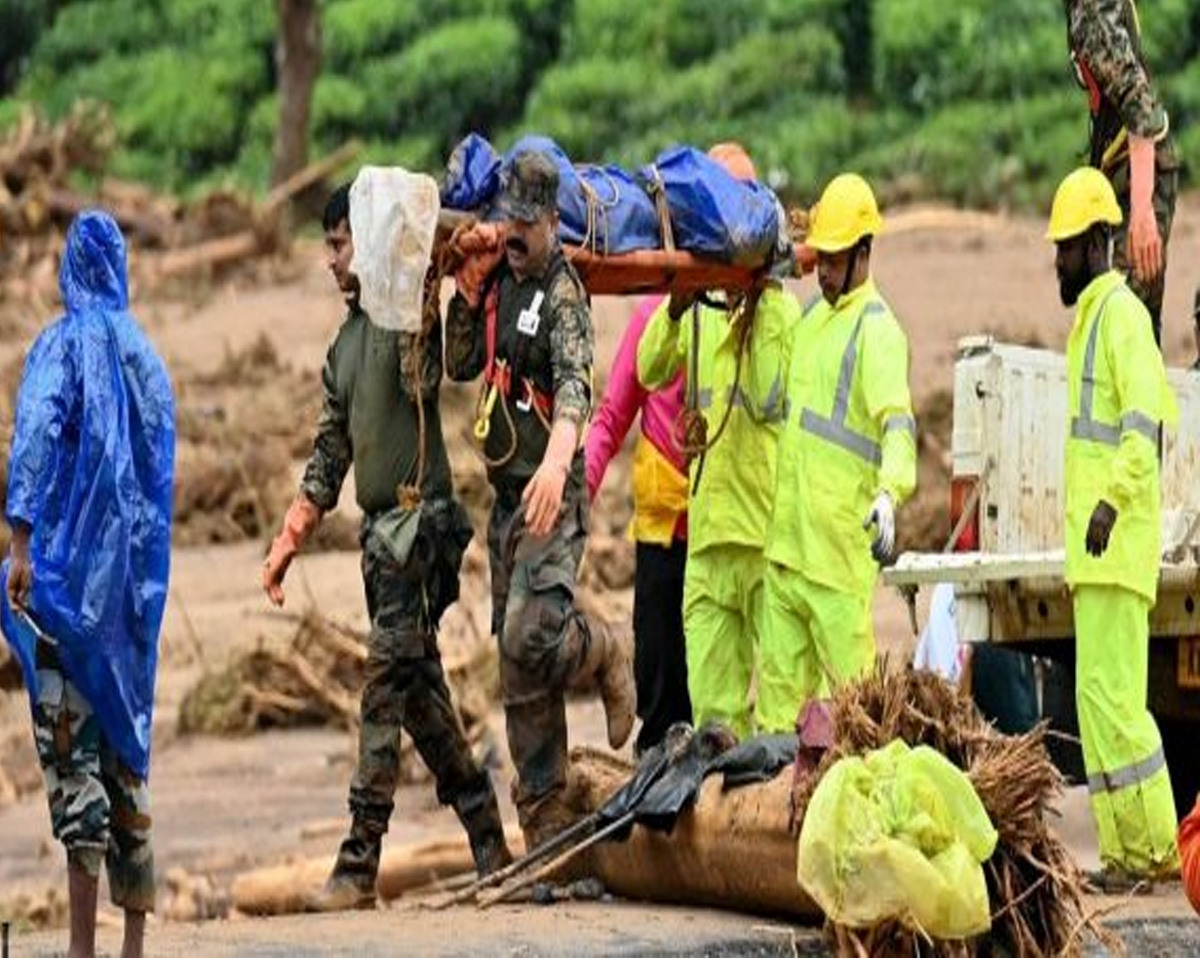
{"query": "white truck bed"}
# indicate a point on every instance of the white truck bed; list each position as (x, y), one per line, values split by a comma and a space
(1009, 429)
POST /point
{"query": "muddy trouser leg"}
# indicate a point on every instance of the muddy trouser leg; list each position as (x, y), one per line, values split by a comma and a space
(544, 642)
(437, 732)
(96, 813)
(1166, 188)
(130, 858)
(660, 656)
(395, 603)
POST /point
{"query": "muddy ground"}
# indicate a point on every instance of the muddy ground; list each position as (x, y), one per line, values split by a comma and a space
(245, 356)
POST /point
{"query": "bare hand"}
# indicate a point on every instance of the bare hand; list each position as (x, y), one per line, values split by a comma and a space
(1145, 244)
(543, 498)
(20, 581)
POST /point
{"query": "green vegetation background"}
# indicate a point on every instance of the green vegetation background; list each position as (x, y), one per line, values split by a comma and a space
(971, 101)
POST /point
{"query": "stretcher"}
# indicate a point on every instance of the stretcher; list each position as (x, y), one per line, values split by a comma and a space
(645, 271)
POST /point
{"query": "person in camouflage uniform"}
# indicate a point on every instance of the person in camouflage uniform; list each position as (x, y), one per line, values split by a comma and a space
(1130, 140)
(99, 808)
(526, 325)
(89, 494)
(410, 565)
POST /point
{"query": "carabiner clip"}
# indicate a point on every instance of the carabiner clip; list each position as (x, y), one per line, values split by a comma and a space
(483, 422)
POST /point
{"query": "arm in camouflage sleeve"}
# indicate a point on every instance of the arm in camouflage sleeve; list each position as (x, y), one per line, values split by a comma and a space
(332, 452)
(466, 347)
(431, 363)
(1103, 42)
(571, 348)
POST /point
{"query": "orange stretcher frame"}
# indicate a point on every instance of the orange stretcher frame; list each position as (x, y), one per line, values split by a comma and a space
(646, 271)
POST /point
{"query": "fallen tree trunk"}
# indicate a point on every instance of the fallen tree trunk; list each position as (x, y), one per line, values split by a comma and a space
(404, 868)
(732, 849)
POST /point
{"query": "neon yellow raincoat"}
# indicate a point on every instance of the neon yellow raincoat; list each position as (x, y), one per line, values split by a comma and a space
(1118, 398)
(732, 487)
(850, 434)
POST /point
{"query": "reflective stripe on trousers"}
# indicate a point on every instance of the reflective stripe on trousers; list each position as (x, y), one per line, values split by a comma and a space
(833, 428)
(1135, 773)
(1084, 426)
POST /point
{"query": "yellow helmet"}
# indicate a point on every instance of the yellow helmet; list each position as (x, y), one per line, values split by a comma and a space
(1085, 197)
(845, 214)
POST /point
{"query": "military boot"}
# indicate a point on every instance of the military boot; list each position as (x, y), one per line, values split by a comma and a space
(608, 664)
(351, 885)
(480, 816)
(545, 818)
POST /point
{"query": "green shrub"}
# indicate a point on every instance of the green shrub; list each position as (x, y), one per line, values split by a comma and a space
(23, 21)
(353, 31)
(456, 78)
(591, 106)
(929, 53)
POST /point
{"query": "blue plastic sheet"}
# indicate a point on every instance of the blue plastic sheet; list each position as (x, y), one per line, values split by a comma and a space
(472, 175)
(609, 210)
(622, 217)
(91, 471)
(712, 213)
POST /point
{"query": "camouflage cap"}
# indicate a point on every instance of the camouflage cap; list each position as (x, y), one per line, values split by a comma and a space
(529, 187)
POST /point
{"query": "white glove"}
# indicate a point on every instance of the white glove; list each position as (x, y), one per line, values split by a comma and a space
(883, 516)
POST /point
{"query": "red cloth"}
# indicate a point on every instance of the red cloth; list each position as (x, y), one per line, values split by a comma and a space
(1189, 855)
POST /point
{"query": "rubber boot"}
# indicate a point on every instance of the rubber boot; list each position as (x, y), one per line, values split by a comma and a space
(608, 664)
(351, 885)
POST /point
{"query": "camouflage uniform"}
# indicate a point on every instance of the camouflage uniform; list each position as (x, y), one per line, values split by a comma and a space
(1103, 36)
(99, 808)
(543, 332)
(410, 565)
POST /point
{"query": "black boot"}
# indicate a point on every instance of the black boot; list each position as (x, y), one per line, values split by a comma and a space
(351, 885)
(480, 816)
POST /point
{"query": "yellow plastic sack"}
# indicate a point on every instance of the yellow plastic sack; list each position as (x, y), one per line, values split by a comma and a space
(899, 833)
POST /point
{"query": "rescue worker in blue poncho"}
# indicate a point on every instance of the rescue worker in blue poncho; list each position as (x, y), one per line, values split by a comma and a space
(89, 503)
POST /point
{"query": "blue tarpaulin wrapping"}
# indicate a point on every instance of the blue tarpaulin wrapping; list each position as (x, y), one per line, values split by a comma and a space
(91, 472)
(472, 175)
(610, 211)
(601, 208)
(712, 213)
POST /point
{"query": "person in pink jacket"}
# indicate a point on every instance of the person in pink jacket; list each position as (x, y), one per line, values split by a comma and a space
(659, 528)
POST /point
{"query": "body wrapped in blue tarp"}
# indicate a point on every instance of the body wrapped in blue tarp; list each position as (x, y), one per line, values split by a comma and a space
(472, 175)
(622, 217)
(610, 211)
(713, 214)
(91, 472)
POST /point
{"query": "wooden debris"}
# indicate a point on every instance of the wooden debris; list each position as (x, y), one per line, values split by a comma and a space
(403, 869)
(315, 680)
(171, 239)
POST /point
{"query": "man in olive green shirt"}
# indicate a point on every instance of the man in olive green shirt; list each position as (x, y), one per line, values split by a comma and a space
(410, 563)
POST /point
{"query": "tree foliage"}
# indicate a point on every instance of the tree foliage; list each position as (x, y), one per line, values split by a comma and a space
(971, 101)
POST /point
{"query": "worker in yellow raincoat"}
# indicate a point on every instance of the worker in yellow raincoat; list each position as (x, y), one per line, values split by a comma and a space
(739, 388)
(847, 460)
(1118, 398)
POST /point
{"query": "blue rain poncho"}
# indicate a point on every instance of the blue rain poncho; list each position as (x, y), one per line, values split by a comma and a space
(91, 473)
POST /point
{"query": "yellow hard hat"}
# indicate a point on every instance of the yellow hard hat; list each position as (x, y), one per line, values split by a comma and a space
(845, 214)
(1085, 197)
